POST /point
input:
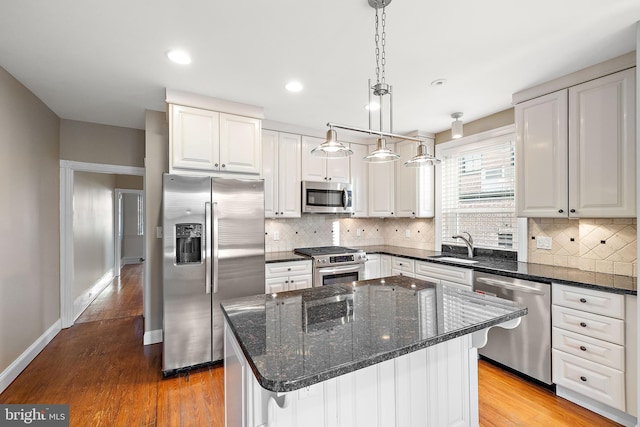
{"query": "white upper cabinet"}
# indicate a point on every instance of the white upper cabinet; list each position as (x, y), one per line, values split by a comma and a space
(541, 156)
(240, 147)
(281, 173)
(381, 188)
(602, 147)
(319, 168)
(575, 150)
(359, 180)
(206, 142)
(414, 187)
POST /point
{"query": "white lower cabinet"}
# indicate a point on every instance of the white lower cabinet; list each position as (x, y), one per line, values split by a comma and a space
(451, 276)
(287, 276)
(594, 358)
(401, 266)
(372, 267)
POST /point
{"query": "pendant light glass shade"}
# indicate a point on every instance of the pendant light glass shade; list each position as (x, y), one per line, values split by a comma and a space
(456, 126)
(331, 148)
(381, 154)
(423, 158)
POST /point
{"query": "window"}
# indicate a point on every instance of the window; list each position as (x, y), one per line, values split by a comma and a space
(478, 191)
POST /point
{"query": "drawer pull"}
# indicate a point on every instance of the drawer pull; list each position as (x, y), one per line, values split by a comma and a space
(289, 269)
(583, 300)
(583, 379)
(583, 348)
(584, 325)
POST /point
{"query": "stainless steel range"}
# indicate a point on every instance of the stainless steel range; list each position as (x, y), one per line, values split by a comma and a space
(335, 264)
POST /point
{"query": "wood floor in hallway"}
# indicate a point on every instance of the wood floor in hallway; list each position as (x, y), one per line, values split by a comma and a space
(101, 368)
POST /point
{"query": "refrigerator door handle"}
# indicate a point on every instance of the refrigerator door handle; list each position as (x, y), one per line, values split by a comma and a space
(214, 238)
(207, 253)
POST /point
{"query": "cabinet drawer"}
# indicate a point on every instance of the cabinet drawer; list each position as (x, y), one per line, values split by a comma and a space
(598, 351)
(279, 269)
(463, 276)
(590, 300)
(403, 264)
(596, 381)
(589, 324)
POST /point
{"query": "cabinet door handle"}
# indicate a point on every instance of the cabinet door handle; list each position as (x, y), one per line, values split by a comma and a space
(286, 281)
(584, 379)
(583, 300)
(560, 210)
(289, 269)
(583, 348)
(572, 210)
(281, 213)
(584, 325)
(216, 165)
(224, 166)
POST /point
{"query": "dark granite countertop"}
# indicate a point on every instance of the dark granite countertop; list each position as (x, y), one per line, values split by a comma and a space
(521, 270)
(295, 339)
(283, 256)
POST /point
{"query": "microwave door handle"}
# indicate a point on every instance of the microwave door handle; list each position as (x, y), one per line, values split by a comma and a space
(207, 248)
(345, 198)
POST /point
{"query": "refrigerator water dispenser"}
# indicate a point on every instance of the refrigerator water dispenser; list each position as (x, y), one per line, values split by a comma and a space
(188, 243)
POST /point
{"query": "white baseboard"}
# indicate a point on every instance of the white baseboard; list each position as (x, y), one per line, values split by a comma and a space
(11, 373)
(152, 337)
(597, 407)
(82, 302)
(130, 260)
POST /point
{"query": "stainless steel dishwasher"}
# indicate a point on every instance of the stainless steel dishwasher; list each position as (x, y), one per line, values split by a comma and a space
(527, 348)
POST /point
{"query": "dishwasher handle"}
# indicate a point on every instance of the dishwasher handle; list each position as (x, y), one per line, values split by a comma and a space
(510, 285)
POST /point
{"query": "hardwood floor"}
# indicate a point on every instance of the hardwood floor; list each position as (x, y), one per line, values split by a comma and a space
(101, 368)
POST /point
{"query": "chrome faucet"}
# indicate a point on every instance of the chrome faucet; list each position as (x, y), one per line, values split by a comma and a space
(467, 241)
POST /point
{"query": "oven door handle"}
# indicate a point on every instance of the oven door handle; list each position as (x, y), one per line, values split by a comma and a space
(332, 270)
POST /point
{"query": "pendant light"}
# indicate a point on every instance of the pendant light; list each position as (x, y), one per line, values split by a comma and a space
(423, 158)
(331, 148)
(383, 91)
(456, 126)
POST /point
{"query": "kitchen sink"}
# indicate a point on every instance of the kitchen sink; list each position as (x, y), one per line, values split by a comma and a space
(458, 260)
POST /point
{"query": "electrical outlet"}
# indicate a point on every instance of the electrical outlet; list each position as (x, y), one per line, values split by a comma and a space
(543, 242)
(276, 235)
(159, 232)
(407, 233)
(358, 232)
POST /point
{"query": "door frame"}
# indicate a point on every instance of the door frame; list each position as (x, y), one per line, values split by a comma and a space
(118, 218)
(67, 171)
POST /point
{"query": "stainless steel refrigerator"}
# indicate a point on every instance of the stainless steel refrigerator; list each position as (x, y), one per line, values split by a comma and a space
(213, 249)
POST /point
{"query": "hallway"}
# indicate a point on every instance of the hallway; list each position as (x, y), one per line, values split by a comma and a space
(100, 367)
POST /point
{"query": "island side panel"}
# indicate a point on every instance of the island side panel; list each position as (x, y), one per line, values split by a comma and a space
(435, 386)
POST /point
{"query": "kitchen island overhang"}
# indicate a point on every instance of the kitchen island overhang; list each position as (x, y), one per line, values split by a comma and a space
(279, 348)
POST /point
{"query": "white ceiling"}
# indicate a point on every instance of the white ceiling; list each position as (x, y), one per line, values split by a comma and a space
(104, 61)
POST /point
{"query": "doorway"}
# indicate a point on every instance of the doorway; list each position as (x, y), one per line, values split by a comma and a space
(72, 303)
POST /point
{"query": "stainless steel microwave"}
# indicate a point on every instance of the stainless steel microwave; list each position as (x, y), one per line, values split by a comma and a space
(327, 197)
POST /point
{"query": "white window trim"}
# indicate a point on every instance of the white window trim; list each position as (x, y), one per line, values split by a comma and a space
(473, 139)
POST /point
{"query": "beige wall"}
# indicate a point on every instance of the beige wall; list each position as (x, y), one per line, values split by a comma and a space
(494, 121)
(157, 162)
(129, 182)
(29, 188)
(93, 222)
(94, 143)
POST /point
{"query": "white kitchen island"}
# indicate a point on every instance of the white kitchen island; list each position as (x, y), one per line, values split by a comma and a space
(395, 351)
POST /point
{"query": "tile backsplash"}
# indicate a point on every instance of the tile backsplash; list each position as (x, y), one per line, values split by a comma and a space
(325, 230)
(600, 245)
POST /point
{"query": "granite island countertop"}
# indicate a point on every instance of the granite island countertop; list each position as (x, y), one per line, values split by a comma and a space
(299, 338)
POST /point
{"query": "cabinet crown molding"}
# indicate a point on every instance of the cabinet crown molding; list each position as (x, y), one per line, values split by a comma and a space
(602, 69)
(214, 104)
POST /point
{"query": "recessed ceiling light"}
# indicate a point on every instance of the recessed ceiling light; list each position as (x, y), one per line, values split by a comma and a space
(438, 82)
(293, 86)
(374, 106)
(179, 57)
